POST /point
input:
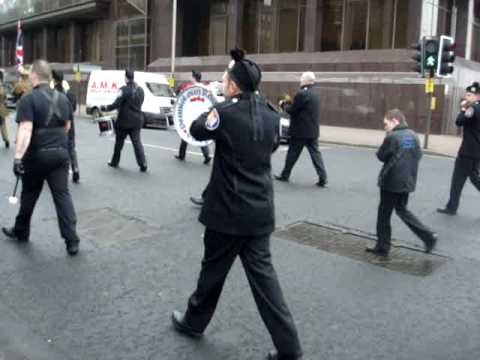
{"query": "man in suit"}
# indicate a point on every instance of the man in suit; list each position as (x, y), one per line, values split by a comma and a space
(304, 129)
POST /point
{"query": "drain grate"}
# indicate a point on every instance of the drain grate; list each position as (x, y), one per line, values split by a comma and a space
(106, 226)
(335, 241)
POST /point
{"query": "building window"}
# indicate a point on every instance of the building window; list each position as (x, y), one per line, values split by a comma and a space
(364, 24)
(401, 24)
(332, 25)
(355, 25)
(217, 39)
(444, 23)
(130, 44)
(277, 27)
(381, 24)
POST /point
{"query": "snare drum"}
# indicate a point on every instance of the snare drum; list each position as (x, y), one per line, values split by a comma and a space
(105, 126)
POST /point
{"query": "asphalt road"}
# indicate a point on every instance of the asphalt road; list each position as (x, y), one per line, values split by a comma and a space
(142, 245)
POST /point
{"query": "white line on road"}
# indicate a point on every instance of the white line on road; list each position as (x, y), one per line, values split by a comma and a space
(281, 149)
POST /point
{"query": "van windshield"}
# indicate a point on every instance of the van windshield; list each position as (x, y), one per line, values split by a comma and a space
(158, 89)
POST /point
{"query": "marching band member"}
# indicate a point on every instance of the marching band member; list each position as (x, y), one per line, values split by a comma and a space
(196, 79)
(238, 209)
(467, 164)
(129, 120)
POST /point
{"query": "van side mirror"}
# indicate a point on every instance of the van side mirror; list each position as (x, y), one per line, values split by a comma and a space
(172, 101)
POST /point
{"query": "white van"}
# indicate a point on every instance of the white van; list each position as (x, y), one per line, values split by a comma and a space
(104, 86)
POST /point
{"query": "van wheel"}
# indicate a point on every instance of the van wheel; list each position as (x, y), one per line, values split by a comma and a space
(96, 113)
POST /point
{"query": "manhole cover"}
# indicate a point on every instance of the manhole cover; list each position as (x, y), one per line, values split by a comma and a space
(106, 226)
(335, 241)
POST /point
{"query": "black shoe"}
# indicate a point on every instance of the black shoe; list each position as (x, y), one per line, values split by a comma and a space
(7, 144)
(377, 251)
(430, 245)
(143, 168)
(196, 201)
(181, 158)
(207, 160)
(72, 248)
(274, 355)
(322, 183)
(446, 211)
(280, 178)
(76, 177)
(179, 323)
(10, 232)
(112, 165)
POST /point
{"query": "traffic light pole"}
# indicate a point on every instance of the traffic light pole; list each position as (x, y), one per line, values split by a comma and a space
(429, 120)
(429, 88)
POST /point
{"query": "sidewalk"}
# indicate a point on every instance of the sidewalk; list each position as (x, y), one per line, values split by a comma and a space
(445, 145)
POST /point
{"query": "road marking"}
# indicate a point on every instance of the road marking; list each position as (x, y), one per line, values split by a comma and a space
(281, 149)
(165, 148)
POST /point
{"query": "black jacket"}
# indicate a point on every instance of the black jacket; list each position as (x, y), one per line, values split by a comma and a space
(470, 121)
(73, 101)
(129, 105)
(239, 196)
(304, 114)
(400, 153)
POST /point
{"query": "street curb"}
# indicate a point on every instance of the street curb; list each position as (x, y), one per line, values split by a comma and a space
(346, 143)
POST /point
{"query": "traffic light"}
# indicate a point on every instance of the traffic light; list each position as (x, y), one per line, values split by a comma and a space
(427, 56)
(418, 57)
(430, 55)
(446, 56)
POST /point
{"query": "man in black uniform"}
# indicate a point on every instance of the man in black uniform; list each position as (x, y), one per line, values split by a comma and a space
(44, 118)
(238, 212)
(304, 129)
(401, 154)
(57, 77)
(467, 164)
(182, 151)
(129, 121)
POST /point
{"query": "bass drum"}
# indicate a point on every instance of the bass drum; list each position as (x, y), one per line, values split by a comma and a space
(191, 103)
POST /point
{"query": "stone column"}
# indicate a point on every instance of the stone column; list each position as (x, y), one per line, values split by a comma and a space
(429, 18)
(161, 29)
(313, 26)
(45, 43)
(415, 21)
(235, 17)
(72, 40)
(469, 44)
(2, 51)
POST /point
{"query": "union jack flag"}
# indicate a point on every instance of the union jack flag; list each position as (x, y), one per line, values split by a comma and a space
(19, 47)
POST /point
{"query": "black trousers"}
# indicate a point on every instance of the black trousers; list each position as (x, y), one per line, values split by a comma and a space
(51, 167)
(295, 148)
(72, 152)
(464, 168)
(399, 202)
(221, 251)
(120, 137)
(183, 150)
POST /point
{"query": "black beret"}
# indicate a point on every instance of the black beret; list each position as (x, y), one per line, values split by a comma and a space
(474, 88)
(244, 72)
(129, 74)
(57, 75)
(197, 75)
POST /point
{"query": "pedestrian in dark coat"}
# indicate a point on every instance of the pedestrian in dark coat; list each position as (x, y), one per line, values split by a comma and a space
(400, 154)
(238, 211)
(57, 77)
(129, 121)
(304, 129)
(467, 164)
